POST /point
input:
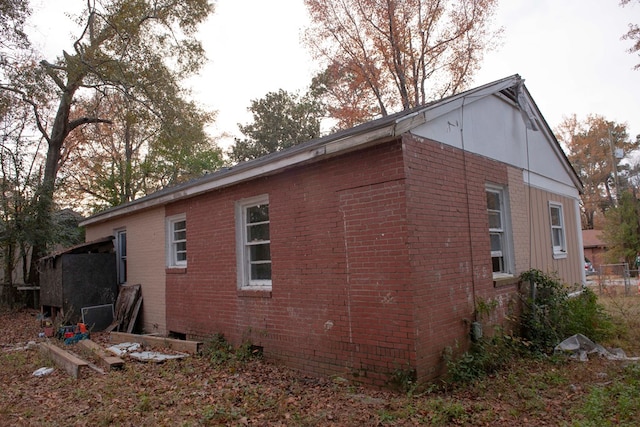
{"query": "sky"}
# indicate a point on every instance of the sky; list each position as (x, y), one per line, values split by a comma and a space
(569, 52)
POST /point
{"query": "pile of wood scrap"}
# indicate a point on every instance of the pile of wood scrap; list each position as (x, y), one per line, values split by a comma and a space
(127, 309)
(74, 364)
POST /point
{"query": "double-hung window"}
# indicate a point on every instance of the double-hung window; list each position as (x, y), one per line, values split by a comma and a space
(253, 243)
(177, 241)
(499, 233)
(557, 230)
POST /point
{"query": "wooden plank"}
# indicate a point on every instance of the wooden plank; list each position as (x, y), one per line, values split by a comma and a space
(155, 341)
(107, 361)
(127, 299)
(67, 361)
(134, 315)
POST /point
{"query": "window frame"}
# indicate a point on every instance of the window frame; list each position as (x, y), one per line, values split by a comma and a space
(172, 243)
(243, 247)
(504, 231)
(121, 259)
(559, 251)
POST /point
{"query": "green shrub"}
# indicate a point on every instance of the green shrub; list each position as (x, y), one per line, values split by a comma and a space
(550, 315)
(588, 317)
(545, 311)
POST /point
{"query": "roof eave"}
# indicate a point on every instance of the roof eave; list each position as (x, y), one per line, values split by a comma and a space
(254, 170)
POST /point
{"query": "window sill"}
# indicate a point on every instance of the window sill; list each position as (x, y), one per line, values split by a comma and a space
(254, 293)
(501, 280)
(175, 270)
(559, 255)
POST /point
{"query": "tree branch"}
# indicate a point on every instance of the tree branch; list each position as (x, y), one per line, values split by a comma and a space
(33, 104)
(48, 68)
(86, 120)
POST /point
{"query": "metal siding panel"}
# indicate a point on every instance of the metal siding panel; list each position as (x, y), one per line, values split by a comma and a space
(567, 268)
(88, 280)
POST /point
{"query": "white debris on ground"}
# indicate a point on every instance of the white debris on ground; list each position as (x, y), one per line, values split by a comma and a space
(131, 349)
(155, 356)
(41, 372)
(27, 346)
(124, 348)
(580, 347)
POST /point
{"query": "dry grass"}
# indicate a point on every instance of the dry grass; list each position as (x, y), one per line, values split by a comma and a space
(624, 308)
(195, 391)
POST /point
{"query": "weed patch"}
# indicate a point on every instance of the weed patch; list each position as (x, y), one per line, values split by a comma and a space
(486, 356)
(220, 352)
(613, 403)
(404, 379)
(549, 316)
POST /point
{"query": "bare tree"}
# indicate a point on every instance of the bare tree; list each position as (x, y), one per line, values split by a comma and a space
(385, 55)
(632, 34)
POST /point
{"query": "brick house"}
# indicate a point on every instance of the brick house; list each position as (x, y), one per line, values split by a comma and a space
(366, 251)
(594, 248)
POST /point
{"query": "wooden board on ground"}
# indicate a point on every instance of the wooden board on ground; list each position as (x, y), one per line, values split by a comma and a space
(155, 341)
(67, 361)
(107, 361)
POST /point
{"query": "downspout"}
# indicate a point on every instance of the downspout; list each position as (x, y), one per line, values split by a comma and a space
(466, 192)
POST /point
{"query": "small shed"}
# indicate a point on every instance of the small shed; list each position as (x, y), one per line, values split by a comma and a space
(77, 277)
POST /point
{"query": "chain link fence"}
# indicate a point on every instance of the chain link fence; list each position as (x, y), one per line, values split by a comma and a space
(610, 277)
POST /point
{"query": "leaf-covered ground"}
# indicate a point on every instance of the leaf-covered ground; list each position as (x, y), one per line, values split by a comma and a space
(194, 391)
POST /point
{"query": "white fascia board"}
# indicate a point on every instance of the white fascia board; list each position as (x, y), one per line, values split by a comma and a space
(357, 141)
(553, 142)
(538, 181)
(330, 148)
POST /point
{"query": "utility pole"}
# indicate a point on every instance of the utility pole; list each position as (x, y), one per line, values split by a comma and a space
(614, 165)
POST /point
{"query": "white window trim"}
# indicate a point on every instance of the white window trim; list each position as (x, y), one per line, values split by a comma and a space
(559, 252)
(242, 255)
(172, 261)
(117, 234)
(507, 231)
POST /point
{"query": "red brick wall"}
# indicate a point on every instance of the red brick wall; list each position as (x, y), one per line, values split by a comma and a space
(340, 301)
(448, 245)
(373, 265)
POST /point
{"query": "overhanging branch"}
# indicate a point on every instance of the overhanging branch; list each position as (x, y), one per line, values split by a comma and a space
(33, 104)
(86, 120)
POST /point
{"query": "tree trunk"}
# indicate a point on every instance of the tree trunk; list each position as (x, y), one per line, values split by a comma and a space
(8, 291)
(128, 159)
(44, 197)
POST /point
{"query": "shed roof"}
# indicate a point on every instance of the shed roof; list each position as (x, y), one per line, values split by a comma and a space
(592, 239)
(102, 245)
